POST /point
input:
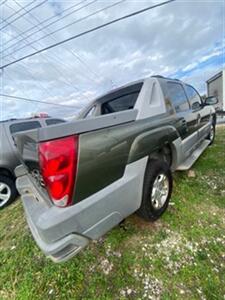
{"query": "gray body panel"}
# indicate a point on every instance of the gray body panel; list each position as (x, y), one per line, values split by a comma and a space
(114, 151)
(86, 125)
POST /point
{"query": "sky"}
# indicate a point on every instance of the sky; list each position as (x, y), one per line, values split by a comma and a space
(183, 39)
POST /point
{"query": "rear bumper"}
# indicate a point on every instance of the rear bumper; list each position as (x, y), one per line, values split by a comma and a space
(62, 249)
(47, 234)
(63, 232)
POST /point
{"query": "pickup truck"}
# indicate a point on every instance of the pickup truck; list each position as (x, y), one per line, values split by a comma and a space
(116, 159)
(8, 153)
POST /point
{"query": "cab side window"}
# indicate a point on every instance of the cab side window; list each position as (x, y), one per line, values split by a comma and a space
(193, 97)
(177, 96)
(119, 104)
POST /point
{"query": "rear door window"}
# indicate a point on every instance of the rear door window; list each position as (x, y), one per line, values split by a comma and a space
(194, 98)
(23, 126)
(177, 96)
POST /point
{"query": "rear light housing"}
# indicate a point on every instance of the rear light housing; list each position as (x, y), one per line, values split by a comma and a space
(58, 166)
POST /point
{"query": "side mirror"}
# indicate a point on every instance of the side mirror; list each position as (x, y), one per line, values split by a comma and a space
(211, 100)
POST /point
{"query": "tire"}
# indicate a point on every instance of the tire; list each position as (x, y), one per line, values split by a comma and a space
(157, 173)
(7, 188)
(212, 134)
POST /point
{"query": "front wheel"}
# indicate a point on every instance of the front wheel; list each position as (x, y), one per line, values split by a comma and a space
(8, 191)
(212, 134)
(157, 190)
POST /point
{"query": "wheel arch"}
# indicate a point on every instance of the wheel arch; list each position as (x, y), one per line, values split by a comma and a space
(163, 153)
(6, 172)
(156, 144)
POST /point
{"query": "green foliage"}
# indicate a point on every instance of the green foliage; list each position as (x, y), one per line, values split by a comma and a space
(181, 256)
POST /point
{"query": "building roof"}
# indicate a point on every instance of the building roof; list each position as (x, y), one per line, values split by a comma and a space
(214, 77)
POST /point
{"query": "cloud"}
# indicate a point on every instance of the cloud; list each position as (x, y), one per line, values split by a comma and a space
(204, 58)
(182, 39)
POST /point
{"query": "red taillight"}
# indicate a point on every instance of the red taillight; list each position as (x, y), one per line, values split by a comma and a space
(58, 164)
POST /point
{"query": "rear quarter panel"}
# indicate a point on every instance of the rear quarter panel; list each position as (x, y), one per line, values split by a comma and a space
(104, 154)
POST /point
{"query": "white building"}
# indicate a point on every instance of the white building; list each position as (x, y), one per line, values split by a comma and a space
(216, 87)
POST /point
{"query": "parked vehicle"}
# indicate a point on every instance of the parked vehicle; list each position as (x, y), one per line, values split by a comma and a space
(9, 157)
(115, 160)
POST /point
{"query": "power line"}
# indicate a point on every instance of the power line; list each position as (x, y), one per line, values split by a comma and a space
(20, 16)
(50, 24)
(88, 31)
(24, 88)
(44, 21)
(38, 101)
(65, 47)
(3, 2)
(71, 51)
(15, 13)
(64, 80)
(74, 22)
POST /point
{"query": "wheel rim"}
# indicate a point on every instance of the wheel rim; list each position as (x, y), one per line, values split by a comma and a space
(160, 191)
(211, 133)
(5, 193)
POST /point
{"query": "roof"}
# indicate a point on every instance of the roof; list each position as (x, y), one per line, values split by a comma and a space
(127, 85)
(214, 77)
(133, 84)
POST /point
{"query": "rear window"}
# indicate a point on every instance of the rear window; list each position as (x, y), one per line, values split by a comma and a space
(23, 126)
(119, 104)
(54, 121)
(177, 96)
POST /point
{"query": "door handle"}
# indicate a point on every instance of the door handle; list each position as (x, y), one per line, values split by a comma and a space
(198, 119)
(184, 126)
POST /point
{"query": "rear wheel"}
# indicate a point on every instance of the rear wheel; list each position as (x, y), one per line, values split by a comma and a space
(8, 191)
(157, 190)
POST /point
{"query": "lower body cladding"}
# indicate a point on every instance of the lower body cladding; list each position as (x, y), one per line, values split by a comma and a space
(63, 232)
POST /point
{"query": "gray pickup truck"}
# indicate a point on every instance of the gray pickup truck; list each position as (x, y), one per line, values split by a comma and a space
(116, 159)
(9, 157)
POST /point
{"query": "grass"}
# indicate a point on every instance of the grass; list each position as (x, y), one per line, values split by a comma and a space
(181, 256)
